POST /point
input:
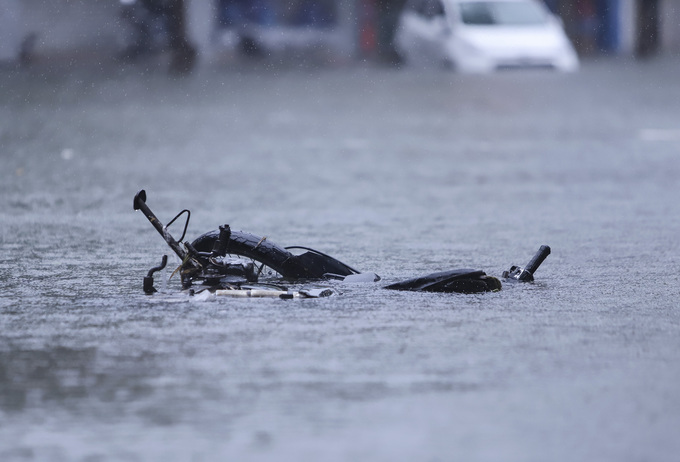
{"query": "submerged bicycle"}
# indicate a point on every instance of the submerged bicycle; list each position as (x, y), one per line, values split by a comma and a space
(236, 263)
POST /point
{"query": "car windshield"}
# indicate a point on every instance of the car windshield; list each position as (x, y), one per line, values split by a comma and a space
(519, 13)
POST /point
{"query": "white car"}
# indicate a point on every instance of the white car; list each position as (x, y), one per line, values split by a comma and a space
(483, 35)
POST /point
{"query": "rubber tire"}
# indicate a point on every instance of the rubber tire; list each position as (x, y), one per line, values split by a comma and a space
(257, 248)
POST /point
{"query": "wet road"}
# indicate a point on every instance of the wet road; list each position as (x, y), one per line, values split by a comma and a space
(402, 173)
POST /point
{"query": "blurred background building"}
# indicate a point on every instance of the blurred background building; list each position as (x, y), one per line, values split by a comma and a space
(640, 27)
(344, 29)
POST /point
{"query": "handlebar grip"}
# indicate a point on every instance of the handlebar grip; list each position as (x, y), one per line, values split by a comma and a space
(536, 261)
(140, 198)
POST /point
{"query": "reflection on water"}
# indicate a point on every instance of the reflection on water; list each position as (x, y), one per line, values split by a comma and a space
(36, 378)
(69, 378)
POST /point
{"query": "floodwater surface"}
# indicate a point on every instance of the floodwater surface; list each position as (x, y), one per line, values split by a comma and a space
(401, 173)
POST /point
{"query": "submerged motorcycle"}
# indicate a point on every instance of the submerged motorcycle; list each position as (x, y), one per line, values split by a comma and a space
(236, 263)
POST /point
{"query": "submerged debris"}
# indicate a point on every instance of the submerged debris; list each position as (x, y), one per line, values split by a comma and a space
(232, 263)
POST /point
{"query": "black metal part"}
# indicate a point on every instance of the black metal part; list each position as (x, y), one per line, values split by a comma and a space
(326, 260)
(192, 262)
(186, 223)
(538, 258)
(196, 255)
(164, 262)
(465, 281)
(148, 286)
(309, 265)
(230, 273)
(222, 243)
(204, 262)
(148, 280)
(140, 204)
(527, 274)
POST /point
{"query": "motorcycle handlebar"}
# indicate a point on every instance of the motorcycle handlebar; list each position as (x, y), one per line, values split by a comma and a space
(536, 261)
(140, 204)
